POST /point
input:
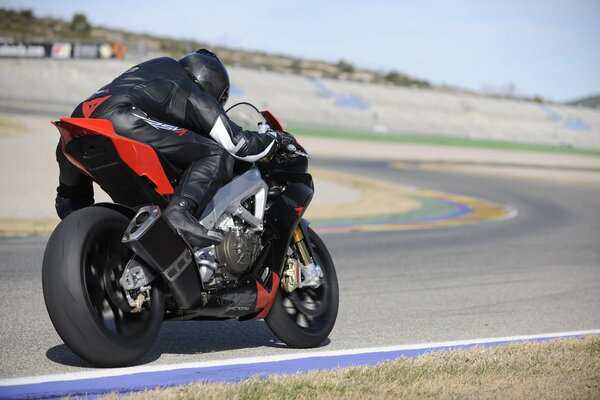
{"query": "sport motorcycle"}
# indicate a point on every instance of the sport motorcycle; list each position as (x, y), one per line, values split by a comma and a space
(113, 272)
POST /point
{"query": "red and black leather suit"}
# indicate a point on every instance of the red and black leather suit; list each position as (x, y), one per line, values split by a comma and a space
(156, 102)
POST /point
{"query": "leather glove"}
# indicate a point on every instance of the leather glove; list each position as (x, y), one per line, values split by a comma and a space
(65, 206)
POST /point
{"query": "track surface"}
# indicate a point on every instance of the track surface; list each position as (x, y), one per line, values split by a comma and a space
(536, 273)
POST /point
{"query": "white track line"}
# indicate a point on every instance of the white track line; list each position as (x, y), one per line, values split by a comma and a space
(261, 359)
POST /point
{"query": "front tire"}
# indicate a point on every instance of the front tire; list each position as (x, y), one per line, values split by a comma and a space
(83, 261)
(305, 317)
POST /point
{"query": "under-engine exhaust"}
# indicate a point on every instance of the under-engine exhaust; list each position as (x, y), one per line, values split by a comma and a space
(152, 238)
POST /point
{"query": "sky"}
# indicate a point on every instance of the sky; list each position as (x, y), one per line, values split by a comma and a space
(549, 48)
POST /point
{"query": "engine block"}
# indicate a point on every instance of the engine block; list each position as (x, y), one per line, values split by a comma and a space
(238, 251)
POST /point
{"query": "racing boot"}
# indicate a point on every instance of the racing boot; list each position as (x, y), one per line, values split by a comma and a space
(180, 214)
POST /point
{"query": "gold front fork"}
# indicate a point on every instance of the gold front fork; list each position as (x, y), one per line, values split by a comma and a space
(298, 239)
(290, 279)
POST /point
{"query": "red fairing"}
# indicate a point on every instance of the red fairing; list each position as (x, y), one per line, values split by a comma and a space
(272, 120)
(140, 157)
(264, 299)
(68, 133)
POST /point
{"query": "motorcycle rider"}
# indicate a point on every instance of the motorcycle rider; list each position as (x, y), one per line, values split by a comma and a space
(177, 108)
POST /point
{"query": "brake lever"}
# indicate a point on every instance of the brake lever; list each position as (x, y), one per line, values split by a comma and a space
(303, 154)
(293, 149)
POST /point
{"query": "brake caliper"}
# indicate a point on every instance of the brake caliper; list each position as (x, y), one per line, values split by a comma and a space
(136, 284)
(291, 275)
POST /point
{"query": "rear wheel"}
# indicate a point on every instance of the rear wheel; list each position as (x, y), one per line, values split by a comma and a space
(305, 317)
(83, 262)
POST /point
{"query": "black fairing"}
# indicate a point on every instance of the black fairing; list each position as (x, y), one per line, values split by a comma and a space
(285, 212)
(235, 302)
(99, 155)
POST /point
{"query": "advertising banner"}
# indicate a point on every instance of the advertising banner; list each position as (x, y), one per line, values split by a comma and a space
(63, 50)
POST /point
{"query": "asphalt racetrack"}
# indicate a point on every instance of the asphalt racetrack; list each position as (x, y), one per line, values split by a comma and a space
(538, 272)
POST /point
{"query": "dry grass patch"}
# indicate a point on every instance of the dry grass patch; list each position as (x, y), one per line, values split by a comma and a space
(378, 198)
(559, 369)
(10, 126)
(27, 226)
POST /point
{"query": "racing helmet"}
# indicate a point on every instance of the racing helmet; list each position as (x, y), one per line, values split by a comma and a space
(205, 68)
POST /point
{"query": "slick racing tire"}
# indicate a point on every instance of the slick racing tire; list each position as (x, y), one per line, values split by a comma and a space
(83, 262)
(305, 317)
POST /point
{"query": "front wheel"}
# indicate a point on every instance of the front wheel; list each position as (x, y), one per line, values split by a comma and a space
(83, 262)
(305, 317)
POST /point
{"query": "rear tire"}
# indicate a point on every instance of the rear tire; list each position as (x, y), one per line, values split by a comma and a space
(83, 261)
(304, 327)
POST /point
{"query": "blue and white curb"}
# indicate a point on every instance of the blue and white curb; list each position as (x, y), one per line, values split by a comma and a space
(124, 380)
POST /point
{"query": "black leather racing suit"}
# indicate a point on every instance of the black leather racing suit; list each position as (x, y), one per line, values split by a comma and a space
(157, 103)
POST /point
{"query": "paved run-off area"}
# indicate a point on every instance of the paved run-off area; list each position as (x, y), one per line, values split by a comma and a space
(28, 173)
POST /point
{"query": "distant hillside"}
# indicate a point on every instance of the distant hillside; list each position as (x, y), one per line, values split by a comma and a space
(24, 26)
(590, 102)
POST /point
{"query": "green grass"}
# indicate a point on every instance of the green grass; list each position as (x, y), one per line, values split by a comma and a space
(558, 369)
(442, 141)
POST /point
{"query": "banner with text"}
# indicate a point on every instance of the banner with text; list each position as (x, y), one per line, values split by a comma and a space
(63, 50)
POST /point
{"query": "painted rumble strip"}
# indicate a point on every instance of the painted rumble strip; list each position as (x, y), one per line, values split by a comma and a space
(438, 210)
(126, 380)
